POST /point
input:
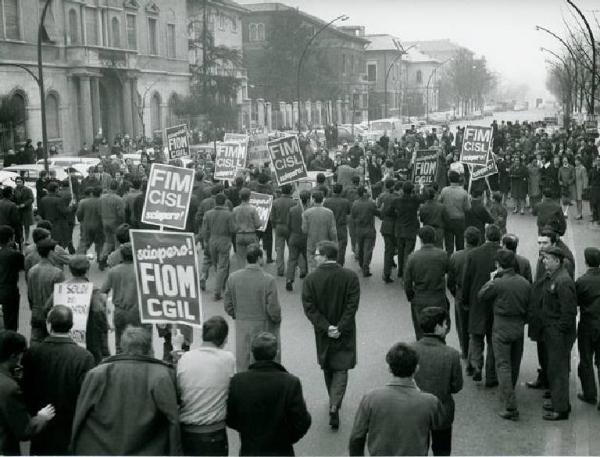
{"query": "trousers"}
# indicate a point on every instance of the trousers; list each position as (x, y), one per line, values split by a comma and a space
(219, 248)
(336, 383)
(89, 236)
(352, 233)
(297, 258)
(389, 251)
(342, 233)
(210, 443)
(406, 245)
(477, 344)
(110, 241)
(281, 238)
(267, 240)
(242, 241)
(558, 350)
(454, 235)
(508, 351)
(366, 243)
(10, 308)
(441, 441)
(588, 344)
(461, 317)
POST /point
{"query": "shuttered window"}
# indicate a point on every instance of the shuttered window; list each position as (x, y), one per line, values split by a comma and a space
(91, 26)
(12, 19)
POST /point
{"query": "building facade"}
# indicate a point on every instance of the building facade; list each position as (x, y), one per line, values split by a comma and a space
(343, 49)
(111, 67)
(223, 19)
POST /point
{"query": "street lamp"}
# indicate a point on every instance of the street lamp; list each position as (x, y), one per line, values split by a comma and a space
(568, 107)
(427, 87)
(387, 73)
(342, 18)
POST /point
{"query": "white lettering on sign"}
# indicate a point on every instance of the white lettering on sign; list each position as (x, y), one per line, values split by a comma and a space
(171, 180)
(169, 280)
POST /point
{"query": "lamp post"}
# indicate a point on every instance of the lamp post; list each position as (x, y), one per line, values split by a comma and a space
(427, 88)
(387, 75)
(568, 70)
(342, 18)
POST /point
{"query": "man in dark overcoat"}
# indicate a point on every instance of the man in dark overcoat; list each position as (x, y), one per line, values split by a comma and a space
(55, 209)
(330, 297)
(479, 264)
(384, 203)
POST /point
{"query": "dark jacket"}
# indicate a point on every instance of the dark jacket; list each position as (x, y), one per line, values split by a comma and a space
(425, 276)
(341, 208)
(406, 213)
(149, 425)
(267, 408)
(432, 213)
(386, 210)
(9, 215)
(330, 296)
(296, 236)
(478, 216)
(53, 372)
(587, 288)
(439, 373)
(363, 213)
(56, 210)
(559, 301)
(550, 213)
(479, 264)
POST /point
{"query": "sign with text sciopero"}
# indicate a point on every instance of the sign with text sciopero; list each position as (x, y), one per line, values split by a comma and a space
(168, 196)
(263, 204)
(477, 142)
(478, 172)
(177, 141)
(258, 153)
(287, 159)
(168, 285)
(230, 157)
(425, 166)
(77, 296)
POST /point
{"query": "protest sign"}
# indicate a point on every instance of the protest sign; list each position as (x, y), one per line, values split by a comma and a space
(177, 141)
(231, 156)
(425, 166)
(477, 142)
(263, 204)
(478, 172)
(168, 196)
(166, 271)
(77, 296)
(287, 159)
(235, 138)
(258, 152)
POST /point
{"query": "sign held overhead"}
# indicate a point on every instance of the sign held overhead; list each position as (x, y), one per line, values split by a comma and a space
(177, 141)
(477, 143)
(263, 204)
(287, 159)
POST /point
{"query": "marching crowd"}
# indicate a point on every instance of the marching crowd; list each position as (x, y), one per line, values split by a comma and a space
(67, 399)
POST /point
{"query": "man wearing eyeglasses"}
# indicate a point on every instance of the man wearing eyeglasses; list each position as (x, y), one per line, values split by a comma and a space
(330, 297)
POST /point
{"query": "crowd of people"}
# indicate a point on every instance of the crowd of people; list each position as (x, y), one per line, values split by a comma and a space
(68, 399)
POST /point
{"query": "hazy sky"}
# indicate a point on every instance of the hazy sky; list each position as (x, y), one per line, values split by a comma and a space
(501, 30)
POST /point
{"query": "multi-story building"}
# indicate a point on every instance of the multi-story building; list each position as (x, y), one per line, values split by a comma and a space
(342, 48)
(404, 79)
(110, 67)
(223, 20)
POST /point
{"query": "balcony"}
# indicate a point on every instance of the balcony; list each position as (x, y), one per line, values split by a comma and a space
(87, 56)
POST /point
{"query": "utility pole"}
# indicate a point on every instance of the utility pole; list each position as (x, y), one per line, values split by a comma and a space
(204, 41)
(41, 82)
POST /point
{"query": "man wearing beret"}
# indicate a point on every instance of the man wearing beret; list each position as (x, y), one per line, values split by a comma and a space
(558, 312)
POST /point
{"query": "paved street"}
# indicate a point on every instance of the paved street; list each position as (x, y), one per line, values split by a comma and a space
(383, 319)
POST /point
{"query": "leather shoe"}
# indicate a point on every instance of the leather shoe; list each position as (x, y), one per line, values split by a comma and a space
(507, 414)
(289, 286)
(477, 375)
(547, 395)
(367, 274)
(491, 384)
(554, 416)
(470, 370)
(388, 280)
(302, 275)
(547, 406)
(334, 419)
(591, 401)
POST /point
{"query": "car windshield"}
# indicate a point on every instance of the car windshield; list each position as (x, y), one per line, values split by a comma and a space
(382, 126)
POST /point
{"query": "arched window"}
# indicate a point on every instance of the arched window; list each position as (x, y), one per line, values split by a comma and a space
(253, 34)
(261, 32)
(52, 116)
(155, 113)
(172, 118)
(116, 33)
(73, 27)
(419, 77)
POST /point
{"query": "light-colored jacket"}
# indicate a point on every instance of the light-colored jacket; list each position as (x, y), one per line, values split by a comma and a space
(318, 223)
(581, 181)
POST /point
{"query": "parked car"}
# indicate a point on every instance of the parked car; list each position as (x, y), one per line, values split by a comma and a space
(64, 161)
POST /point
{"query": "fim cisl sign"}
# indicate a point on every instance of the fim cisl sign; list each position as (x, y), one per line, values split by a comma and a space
(287, 160)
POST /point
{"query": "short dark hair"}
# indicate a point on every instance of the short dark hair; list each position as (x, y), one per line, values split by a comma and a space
(11, 344)
(427, 234)
(52, 187)
(510, 242)
(114, 185)
(453, 176)
(304, 196)
(6, 234)
(45, 250)
(245, 195)
(320, 178)
(505, 258)
(548, 232)
(408, 187)
(60, 318)
(389, 184)
(476, 192)
(317, 196)
(337, 188)
(472, 236)
(254, 253)
(45, 224)
(136, 341)
(355, 180)
(39, 234)
(432, 316)
(402, 359)
(328, 248)
(493, 233)
(220, 199)
(497, 196)
(215, 330)
(122, 233)
(361, 191)
(286, 189)
(78, 272)
(592, 257)
(7, 192)
(264, 346)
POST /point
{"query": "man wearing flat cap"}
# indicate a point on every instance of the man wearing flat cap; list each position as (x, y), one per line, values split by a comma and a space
(558, 312)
